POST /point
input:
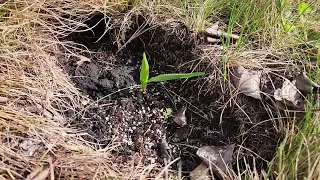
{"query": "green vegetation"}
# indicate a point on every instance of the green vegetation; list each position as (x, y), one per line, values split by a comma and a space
(144, 72)
(144, 75)
(279, 28)
(167, 113)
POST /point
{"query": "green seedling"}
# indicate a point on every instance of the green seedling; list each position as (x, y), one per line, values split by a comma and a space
(144, 75)
(167, 113)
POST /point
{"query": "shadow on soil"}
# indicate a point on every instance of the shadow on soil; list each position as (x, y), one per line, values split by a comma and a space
(136, 120)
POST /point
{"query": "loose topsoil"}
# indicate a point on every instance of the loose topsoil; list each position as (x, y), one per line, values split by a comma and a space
(125, 115)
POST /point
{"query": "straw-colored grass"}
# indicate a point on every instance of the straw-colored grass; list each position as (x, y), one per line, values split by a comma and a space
(38, 90)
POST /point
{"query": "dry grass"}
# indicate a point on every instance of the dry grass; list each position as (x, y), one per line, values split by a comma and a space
(38, 90)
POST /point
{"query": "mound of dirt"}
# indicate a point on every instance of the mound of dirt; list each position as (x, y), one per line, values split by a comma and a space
(124, 115)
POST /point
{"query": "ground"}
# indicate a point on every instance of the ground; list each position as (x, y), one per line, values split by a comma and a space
(71, 104)
(122, 113)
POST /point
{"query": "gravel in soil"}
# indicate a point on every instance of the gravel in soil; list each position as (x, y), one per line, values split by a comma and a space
(123, 114)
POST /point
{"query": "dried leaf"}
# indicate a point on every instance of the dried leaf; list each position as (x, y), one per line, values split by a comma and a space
(3, 99)
(269, 83)
(165, 149)
(305, 84)
(82, 60)
(247, 81)
(289, 95)
(200, 172)
(219, 158)
(180, 117)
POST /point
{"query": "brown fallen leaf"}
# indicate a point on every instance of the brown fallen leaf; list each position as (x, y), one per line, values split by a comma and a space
(165, 149)
(3, 99)
(269, 84)
(247, 81)
(305, 84)
(289, 95)
(217, 157)
(200, 172)
(180, 117)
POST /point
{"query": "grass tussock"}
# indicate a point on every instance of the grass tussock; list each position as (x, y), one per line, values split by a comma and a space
(38, 90)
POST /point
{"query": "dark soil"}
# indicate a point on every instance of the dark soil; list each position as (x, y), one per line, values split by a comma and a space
(136, 120)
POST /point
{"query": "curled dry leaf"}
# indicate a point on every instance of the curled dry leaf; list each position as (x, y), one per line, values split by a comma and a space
(165, 149)
(269, 84)
(219, 158)
(180, 117)
(200, 172)
(247, 81)
(305, 84)
(289, 95)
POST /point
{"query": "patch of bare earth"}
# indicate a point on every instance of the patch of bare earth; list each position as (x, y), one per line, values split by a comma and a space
(120, 114)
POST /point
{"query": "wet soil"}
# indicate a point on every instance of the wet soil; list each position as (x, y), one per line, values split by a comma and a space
(123, 114)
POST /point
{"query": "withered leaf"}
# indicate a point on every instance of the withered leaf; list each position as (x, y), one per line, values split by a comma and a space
(200, 172)
(180, 117)
(289, 95)
(218, 157)
(305, 84)
(247, 81)
(165, 149)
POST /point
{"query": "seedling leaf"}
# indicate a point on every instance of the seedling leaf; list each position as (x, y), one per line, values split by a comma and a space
(144, 72)
(303, 7)
(168, 77)
(167, 113)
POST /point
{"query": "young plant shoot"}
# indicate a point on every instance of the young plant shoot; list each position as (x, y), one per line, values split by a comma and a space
(167, 114)
(144, 75)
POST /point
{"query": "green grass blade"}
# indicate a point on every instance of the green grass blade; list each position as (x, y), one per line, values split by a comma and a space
(168, 77)
(144, 72)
